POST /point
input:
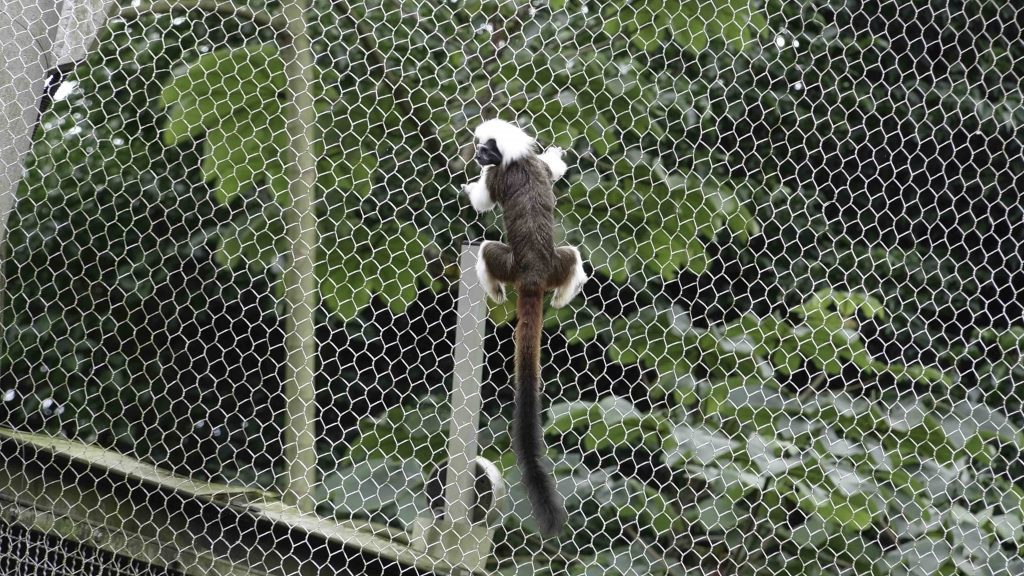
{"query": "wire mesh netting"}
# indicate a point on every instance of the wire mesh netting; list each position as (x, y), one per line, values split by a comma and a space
(232, 282)
(26, 552)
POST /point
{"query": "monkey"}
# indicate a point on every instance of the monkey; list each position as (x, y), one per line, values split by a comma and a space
(521, 181)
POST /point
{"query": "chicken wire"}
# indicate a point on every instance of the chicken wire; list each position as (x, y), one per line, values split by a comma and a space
(26, 552)
(234, 253)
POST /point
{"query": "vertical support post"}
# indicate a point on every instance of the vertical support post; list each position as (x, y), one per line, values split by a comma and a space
(466, 380)
(301, 291)
(458, 538)
(27, 32)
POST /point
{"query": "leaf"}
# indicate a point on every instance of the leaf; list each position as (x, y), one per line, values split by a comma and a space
(979, 430)
(600, 136)
(773, 459)
(717, 514)
(241, 150)
(369, 485)
(913, 373)
(847, 304)
(568, 415)
(586, 325)
(648, 337)
(647, 506)
(259, 241)
(675, 383)
(696, 258)
(344, 287)
(258, 63)
(343, 296)
(732, 19)
(359, 263)
(731, 482)
(722, 200)
(702, 446)
(813, 533)
(353, 171)
(915, 431)
(664, 253)
(621, 425)
(757, 404)
(857, 417)
(646, 37)
(220, 84)
(400, 262)
(407, 432)
(502, 313)
(926, 556)
(1007, 527)
(853, 512)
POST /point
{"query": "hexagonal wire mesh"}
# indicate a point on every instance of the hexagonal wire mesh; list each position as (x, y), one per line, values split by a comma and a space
(234, 254)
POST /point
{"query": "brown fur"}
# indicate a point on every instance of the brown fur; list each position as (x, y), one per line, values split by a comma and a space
(524, 191)
(533, 265)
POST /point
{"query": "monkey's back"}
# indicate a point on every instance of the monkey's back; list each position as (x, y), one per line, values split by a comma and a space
(524, 190)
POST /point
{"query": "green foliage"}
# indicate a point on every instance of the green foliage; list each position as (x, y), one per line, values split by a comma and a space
(110, 284)
(383, 489)
(221, 90)
(406, 432)
(802, 337)
(848, 468)
(232, 96)
(693, 24)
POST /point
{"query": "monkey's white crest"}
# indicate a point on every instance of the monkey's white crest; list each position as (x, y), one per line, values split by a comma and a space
(513, 143)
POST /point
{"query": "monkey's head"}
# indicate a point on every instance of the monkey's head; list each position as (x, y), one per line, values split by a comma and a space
(499, 142)
(487, 153)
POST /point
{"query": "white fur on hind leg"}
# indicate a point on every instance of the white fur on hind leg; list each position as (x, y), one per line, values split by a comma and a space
(553, 158)
(494, 289)
(566, 292)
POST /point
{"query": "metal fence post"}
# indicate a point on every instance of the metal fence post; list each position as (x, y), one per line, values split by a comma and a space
(466, 381)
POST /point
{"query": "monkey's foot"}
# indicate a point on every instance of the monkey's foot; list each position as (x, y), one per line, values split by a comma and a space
(565, 293)
(495, 290)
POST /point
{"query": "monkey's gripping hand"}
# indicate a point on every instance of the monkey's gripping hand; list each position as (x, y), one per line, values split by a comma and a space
(553, 158)
(479, 195)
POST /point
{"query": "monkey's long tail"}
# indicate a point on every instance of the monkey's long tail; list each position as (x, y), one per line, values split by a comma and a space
(528, 436)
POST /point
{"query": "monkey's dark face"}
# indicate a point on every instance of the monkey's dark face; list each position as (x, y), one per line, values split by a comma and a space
(487, 153)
